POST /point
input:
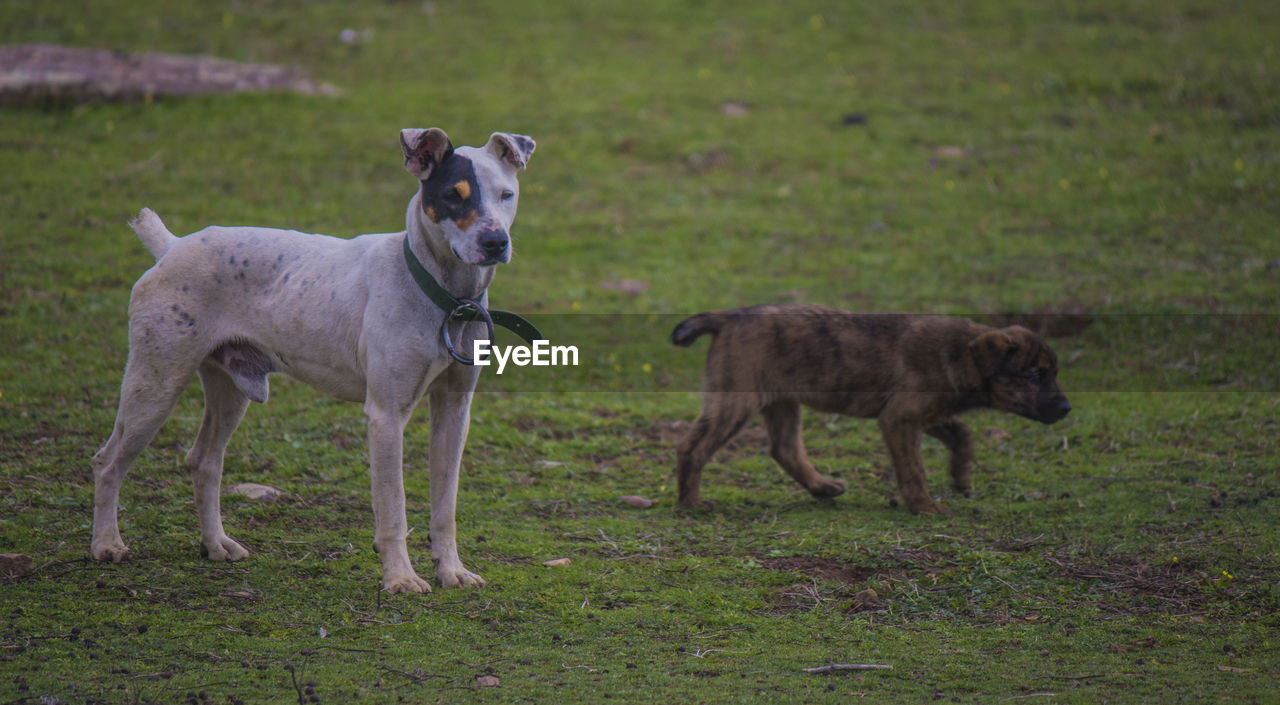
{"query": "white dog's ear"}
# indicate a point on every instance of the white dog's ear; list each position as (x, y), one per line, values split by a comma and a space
(513, 150)
(424, 150)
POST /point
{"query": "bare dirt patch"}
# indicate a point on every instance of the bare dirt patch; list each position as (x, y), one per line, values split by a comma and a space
(1176, 585)
(832, 571)
(833, 583)
(34, 74)
(830, 583)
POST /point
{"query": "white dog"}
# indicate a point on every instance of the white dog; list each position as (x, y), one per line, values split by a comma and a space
(345, 316)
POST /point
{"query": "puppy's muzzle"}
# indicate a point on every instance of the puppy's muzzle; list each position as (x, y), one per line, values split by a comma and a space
(1054, 411)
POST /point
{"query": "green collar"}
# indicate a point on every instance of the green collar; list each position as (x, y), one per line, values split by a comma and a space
(460, 310)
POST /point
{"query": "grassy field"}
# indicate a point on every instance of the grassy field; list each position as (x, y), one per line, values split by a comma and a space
(984, 158)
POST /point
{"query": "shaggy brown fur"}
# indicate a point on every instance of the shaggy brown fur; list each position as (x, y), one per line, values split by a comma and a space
(913, 373)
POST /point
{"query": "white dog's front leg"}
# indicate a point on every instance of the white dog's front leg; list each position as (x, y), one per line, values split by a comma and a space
(386, 447)
(450, 420)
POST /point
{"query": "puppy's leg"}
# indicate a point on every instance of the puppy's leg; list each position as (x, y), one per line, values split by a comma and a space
(959, 441)
(145, 404)
(902, 436)
(450, 407)
(224, 406)
(782, 419)
(723, 415)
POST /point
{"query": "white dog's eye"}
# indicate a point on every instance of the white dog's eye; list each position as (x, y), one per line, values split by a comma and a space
(506, 195)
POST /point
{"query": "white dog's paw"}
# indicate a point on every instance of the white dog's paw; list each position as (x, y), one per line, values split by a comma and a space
(114, 551)
(224, 549)
(406, 583)
(459, 577)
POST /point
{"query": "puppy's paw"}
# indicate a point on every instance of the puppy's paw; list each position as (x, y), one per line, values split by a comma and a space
(113, 551)
(406, 583)
(928, 507)
(695, 504)
(459, 577)
(828, 487)
(223, 549)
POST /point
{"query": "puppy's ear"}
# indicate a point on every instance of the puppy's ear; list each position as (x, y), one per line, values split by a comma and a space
(990, 349)
(1035, 349)
(424, 150)
(513, 150)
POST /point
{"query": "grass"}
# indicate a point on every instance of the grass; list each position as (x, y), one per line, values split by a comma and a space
(963, 158)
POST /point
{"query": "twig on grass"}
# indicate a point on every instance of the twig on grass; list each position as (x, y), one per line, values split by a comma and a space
(417, 676)
(293, 677)
(607, 540)
(76, 563)
(365, 615)
(158, 675)
(703, 653)
(836, 667)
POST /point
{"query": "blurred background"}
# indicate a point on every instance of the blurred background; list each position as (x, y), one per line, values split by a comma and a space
(971, 158)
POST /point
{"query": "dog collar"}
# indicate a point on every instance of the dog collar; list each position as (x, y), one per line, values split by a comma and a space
(464, 310)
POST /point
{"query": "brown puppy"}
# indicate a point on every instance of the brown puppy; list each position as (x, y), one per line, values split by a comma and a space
(913, 373)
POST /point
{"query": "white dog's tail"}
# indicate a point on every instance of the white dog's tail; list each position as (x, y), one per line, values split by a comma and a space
(152, 232)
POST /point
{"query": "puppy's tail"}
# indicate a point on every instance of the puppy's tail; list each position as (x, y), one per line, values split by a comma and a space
(152, 232)
(694, 327)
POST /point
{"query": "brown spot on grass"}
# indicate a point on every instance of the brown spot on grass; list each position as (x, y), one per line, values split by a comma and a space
(831, 571)
(834, 583)
(1176, 585)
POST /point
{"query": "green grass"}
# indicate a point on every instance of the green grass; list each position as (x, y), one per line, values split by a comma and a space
(1013, 157)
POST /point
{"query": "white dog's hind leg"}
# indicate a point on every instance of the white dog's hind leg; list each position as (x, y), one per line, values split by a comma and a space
(224, 406)
(145, 404)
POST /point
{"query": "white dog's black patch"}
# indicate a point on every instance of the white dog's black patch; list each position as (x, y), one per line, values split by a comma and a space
(452, 192)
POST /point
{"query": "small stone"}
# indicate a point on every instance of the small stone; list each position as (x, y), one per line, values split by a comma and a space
(995, 433)
(636, 501)
(633, 287)
(255, 492)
